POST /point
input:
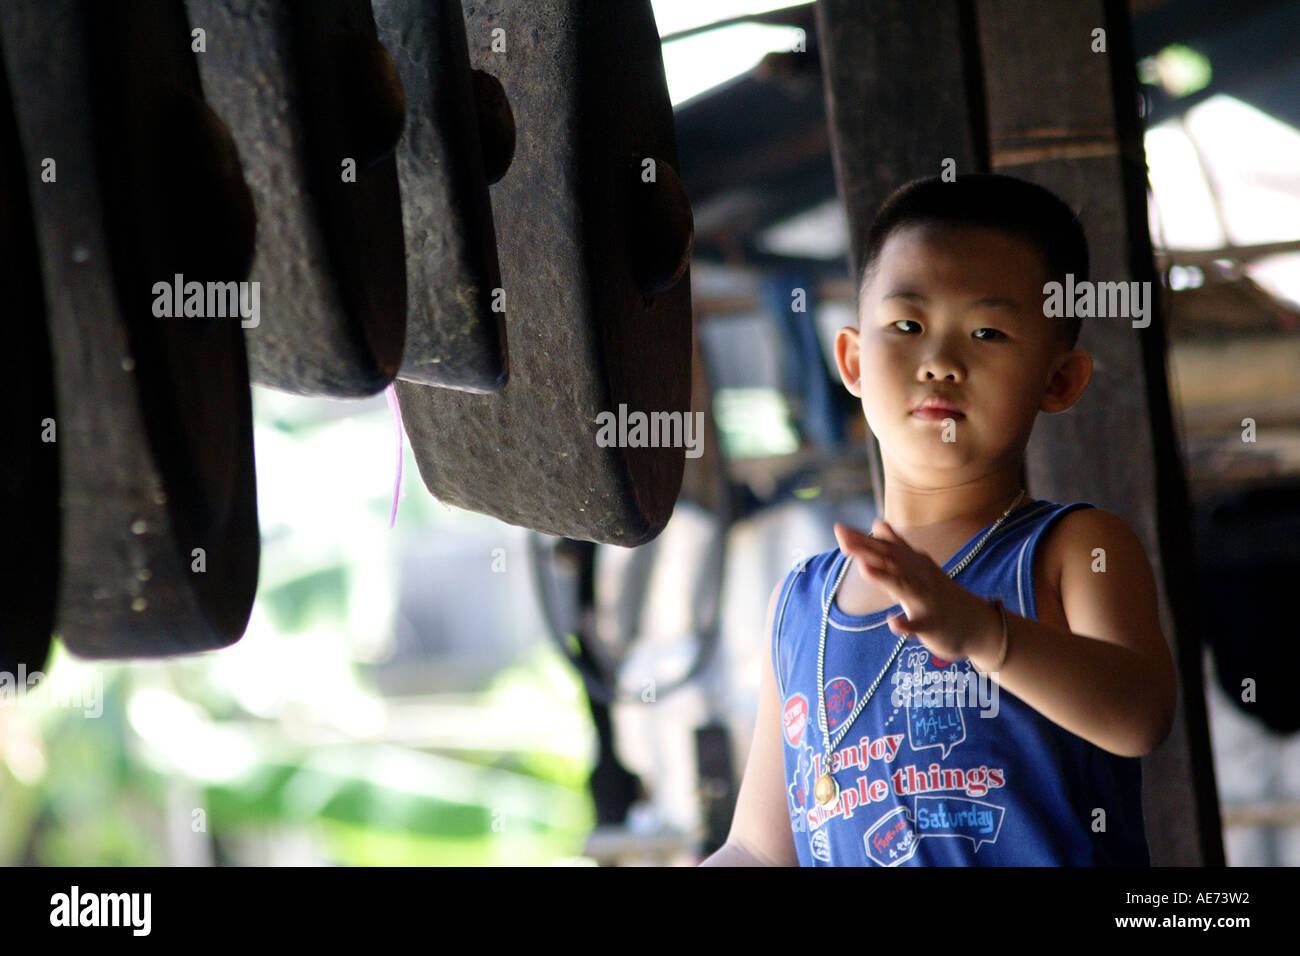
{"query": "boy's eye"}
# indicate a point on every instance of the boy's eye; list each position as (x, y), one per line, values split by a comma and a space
(993, 336)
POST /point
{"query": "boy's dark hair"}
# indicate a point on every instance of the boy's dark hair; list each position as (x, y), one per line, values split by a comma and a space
(1015, 206)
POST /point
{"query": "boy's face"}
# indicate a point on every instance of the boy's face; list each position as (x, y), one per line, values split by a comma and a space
(958, 312)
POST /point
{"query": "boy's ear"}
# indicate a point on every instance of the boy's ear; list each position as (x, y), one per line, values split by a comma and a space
(847, 359)
(1073, 372)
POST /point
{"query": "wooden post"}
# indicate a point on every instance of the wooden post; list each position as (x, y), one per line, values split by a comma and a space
(1062, 95)
(902, 94)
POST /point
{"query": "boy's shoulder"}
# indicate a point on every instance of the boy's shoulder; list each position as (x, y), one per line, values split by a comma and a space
(1088, 537)
(801, 565)
(806, 570)
(807, 563)
(1089, 522)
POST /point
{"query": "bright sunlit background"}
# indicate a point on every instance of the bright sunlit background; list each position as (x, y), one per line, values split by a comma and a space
(700, 62)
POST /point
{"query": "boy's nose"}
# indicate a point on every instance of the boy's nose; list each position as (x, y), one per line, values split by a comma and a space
(941, 362)
(941, 369)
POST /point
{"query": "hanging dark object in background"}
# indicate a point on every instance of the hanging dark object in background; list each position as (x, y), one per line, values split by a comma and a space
(160, 547)
(306, 87)
(454, 335)
(594, 232)
(29, 479)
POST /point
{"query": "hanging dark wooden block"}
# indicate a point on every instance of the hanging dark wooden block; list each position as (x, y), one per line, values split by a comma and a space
(29, 476)
(160, 539)
(594, 231)
(454, 338)
(312, 99)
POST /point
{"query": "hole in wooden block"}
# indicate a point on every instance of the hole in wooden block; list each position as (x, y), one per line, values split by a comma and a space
(661, 228)
(496, 125)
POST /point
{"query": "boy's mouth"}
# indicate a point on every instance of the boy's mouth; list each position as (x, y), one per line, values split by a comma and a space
(937, 407)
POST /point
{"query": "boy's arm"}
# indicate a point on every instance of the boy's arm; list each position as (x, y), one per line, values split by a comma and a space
(760, 828)
(1110, 678)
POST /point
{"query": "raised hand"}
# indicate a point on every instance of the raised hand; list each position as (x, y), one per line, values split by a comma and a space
(948, 619)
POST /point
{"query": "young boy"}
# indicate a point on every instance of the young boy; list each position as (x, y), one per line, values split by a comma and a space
(987, 695)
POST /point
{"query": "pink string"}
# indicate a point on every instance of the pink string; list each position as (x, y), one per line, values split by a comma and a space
(391, 394)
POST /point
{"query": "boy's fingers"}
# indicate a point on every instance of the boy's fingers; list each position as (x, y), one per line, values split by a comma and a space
(884, 579)
(852, 540)
(884, 531)
(888, 573)
(868, 557)
(873, 566)
(862, 552)
(845, 532)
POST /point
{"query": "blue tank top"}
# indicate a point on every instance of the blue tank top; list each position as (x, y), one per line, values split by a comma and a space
(941, 769)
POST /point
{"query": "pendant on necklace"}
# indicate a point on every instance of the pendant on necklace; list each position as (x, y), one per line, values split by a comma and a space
(826, 790)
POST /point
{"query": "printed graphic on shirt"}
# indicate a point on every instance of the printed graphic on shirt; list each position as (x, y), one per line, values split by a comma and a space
(841, 698)
(896, 784)
(932, 696)
(795, 719)
(820, 844)
(800, 787)
(893, 838)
